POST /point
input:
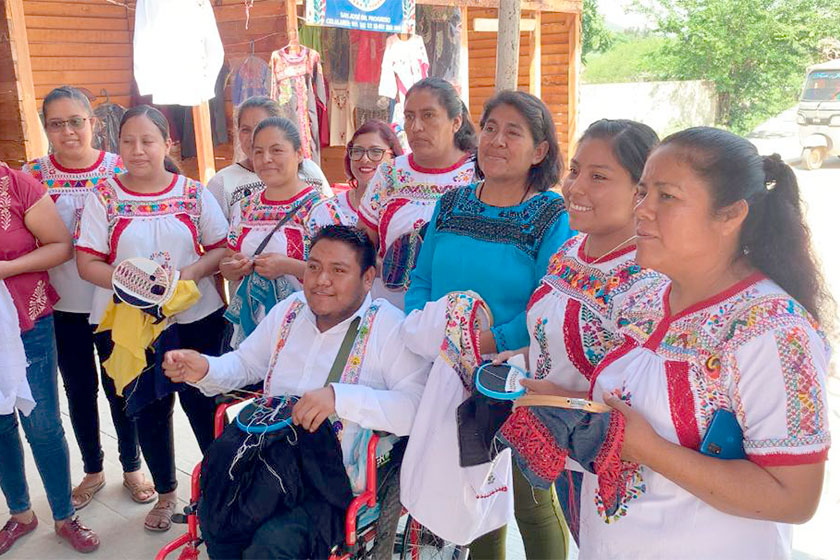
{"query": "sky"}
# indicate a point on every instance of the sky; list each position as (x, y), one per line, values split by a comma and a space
(614, 13)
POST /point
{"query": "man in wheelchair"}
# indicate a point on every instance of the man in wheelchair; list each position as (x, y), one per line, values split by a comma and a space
(341, 353)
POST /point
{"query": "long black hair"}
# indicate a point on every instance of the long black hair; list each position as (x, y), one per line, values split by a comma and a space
(546, 173)
(159, 120)
(448, 98)
(631, 142)
(774, 237)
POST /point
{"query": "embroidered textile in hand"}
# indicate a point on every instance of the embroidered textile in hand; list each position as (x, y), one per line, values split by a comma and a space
(542, 437)
(466, 316)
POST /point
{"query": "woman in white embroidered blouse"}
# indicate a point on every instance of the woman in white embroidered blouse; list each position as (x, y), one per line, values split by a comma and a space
(152, 211)
(731, 326)
(402, 195)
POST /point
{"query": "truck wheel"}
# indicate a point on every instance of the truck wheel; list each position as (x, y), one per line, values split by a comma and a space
(812, 158)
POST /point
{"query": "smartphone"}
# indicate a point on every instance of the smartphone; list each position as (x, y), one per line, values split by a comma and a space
(724, 438)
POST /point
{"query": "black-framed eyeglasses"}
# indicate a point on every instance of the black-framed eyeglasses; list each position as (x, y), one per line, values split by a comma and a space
(373, 154)
(75, 123)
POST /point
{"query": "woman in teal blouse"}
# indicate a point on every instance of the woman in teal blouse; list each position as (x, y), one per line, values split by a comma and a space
(496, 238)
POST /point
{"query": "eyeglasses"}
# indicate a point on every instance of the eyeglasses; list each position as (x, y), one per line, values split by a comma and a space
(373, 154)
(75, 123)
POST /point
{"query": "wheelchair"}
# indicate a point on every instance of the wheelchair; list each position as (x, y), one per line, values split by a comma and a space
(376, 525)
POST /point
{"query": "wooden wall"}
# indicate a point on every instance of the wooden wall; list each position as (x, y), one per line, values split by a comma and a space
(555, 58)
(87, 43)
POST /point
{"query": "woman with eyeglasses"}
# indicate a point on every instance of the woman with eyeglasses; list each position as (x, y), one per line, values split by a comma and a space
(70, 173)
(372, 144)
(402, 195)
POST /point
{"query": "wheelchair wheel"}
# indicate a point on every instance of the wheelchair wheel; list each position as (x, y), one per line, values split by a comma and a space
(389, 517)
(418, 543)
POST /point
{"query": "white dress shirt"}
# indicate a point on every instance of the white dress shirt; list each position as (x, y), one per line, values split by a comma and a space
(391, 377)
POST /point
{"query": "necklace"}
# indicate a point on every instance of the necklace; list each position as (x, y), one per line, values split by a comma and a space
(631, 238)
(480, 191)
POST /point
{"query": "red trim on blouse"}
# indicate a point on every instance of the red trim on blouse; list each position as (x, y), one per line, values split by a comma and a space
(90, 251)
(611, 357)
(605, 258)
(116, 233)
(184, 219)
(168, 188)
(302, 193)
(368, 223)
(237, 247)
(60, 167)
(538, 294)
(573, 343)
(294, 243)
(789, 459)
(433, 171)
(350, 201)
(385, 220)
(220, 243)
(681, 403)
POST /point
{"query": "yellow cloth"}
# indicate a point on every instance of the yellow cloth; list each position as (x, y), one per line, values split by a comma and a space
(133, 331)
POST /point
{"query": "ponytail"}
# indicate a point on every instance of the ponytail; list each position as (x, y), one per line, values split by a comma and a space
(774, 237)
(777, 241)
(171, 165)
(465, 137)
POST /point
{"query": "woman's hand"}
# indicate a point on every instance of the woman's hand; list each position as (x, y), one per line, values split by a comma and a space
(275, 265)
(503, 357)
(185, 366)
(235, 266)
(640, 439)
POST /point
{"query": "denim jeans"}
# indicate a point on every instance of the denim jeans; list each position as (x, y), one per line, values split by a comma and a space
(42, 428)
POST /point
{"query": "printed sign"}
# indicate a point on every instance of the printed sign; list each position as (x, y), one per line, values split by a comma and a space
(386, 16)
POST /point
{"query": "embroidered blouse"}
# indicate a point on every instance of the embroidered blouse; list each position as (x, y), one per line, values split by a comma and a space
(751, 349)
(379, 388)
(173, 227)
(571, 314)
(336, 210)
(401, 198)
(31, 292)
(69, 189)
(498, 252)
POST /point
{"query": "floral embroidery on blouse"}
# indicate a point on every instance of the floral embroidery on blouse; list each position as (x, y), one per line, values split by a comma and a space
(543, 367)
(353, 368)
(523, 226)
(5, 204)
(38, 300)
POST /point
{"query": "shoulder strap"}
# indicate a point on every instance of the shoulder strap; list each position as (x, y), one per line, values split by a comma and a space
(289, 215)
(343, 352)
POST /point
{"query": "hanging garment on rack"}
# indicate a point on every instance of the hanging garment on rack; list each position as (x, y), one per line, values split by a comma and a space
(405, 63)
(310, 36)
(188, 76)
(337, 42)
(440, 27)
(107, 132)
(218, 119)
(252, 78)
(370, 48)
(341, 121)
(297, 84)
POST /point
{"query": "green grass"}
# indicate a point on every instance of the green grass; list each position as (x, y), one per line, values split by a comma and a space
(632, 58)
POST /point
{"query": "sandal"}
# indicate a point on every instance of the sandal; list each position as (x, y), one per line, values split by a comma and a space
(160, 518)
(83, 494)
(140, 489)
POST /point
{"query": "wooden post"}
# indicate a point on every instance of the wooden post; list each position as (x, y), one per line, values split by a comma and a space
(574, 80)
(291, 22)
(464, 61)
(536, 57)
(507, 48)
(204, 142)
(34, 138)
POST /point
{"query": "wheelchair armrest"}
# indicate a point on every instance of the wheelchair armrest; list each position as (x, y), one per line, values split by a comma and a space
(367, 497)
(224, 402)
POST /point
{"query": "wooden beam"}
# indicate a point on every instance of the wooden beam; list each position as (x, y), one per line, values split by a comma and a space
(291, 22)
(464, 62)
(204, 142)
(491, 25)
(507, 48)
(574, 81)
(34, 139)
(536, 57)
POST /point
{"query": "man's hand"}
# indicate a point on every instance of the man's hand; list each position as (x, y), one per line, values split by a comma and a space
(185, 366)
(313, 408)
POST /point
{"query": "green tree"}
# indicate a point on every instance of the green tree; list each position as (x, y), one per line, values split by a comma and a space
(755, 51)
(596, 36)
